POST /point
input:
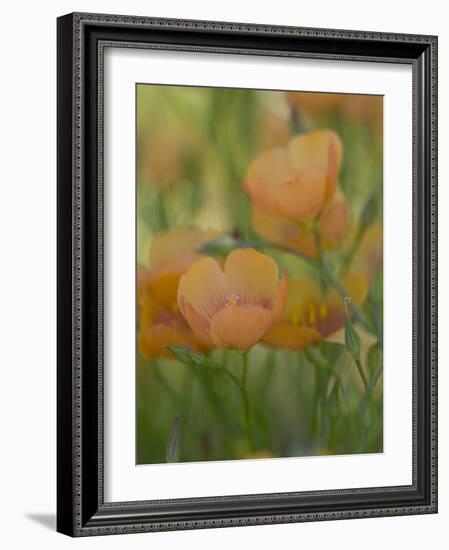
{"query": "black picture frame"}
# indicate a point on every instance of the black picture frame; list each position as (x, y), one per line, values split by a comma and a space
(81, 509)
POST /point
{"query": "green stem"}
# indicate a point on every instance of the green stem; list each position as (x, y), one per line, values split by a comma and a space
(362, 375)
(167, 387)
(375, 377)
(215, 403)
(241, 384)
(354, 247)
(338, 287)
(174, 396)
(324, 366)
(284, 248)
(219, 368)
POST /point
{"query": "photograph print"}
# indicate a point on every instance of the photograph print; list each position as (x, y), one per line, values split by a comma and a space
(259, 274)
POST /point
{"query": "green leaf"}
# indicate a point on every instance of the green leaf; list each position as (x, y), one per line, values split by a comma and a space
(368, 414)
(314, 355)
(374, 359)
(369, 211)
(174, 442)
(352, 340)
(332, 351)
(376, 287)
(334, 403)
(187, 356)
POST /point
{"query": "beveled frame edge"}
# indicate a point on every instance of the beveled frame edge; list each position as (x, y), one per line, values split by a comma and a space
(71, 256)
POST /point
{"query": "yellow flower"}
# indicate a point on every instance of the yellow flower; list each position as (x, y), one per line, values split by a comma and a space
(296, 182)
(160, 322)
(237, 307)
(331, 228)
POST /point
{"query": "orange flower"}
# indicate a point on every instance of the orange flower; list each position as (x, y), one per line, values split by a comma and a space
(237, 307)
(154, 338)
(162, 153)
(296, 182)
(311, 315)
(354, 106)
(331, 228)
(171, 254)
(160, 322)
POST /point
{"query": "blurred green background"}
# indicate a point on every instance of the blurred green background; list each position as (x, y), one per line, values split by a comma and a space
(194, 146)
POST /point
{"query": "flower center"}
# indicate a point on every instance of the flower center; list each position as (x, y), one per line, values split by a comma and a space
(232, 300)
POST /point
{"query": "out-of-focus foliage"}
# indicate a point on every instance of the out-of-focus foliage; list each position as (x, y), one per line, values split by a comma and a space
(229, 364)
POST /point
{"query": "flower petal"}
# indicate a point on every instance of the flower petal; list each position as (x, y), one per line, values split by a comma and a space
(240, 327)
(301, 198)
(296, 182)
(333, 221)
(271, 167)
(331, 322)
(302, 293)
(204, 287)
(320, 149)
(265, 174)
(162, 280)
(355, 286)
(315, 160)
(293, 337)
(154, 339)
(198, 324)
(141, 281)
(316, 103)
(370, 252)
(252, 276)
(176, 242)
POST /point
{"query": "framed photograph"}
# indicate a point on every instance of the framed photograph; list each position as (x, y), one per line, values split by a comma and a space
(247, 279)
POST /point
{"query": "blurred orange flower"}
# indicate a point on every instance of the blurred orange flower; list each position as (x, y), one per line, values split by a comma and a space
(311, 314)
(356, 106)
(370, 252)
(331, 228)
(171, 254)
(237, 307)
(160, 322)
(162, 154)
(296, 182)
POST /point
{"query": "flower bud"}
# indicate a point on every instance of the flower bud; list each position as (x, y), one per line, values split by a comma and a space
(352, 339)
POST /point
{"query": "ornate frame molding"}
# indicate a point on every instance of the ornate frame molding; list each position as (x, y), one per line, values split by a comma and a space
(81, 509)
